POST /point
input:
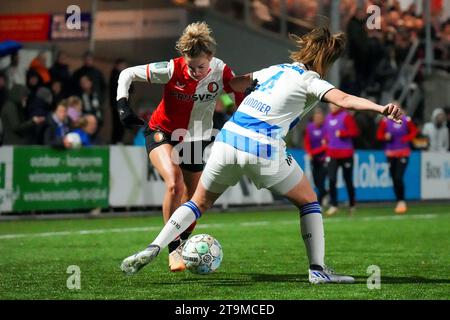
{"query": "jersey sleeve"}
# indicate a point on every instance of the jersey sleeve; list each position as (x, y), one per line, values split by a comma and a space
(318, 87)
(160, 72)
(227, 75)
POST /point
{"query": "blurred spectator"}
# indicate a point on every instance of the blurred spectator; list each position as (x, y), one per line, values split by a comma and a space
(57, 92)
(60, 72)
(116, 126)
(263, 17)
(367, 137)
(91, 99)
(340, 128)
(437, 131)
(33, 83)
(74, 110)
(38, 65)
(16, 126)
(397, 138)
(58, 125)
(3, 89)
(357, 39)
(15, 73)
(315, 147)
(40, 106)
(87, 129)
(88, 69)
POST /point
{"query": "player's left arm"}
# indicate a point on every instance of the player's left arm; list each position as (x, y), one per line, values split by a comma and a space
(351, 102)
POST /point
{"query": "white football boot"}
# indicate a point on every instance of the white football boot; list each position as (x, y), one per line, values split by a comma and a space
(137, 261)
(327, 275)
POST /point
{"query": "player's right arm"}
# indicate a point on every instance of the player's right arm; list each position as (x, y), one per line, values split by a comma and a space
(159, 72)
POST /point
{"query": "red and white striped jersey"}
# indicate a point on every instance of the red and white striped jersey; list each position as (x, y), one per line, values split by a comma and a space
(187, 103)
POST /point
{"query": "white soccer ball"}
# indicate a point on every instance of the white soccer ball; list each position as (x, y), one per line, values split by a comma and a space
(202, 254)
(74, 139)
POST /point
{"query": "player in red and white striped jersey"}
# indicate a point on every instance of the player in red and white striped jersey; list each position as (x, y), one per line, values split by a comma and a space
(192, 84)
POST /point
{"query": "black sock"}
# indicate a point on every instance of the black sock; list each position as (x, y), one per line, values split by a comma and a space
(185, 235)
(315, 267)
(174, 245)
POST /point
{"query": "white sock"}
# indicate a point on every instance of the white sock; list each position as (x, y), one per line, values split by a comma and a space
(312, 232)
(180, 220)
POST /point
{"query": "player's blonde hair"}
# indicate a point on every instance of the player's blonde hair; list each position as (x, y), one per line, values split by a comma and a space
(195, 40)
(318, 49)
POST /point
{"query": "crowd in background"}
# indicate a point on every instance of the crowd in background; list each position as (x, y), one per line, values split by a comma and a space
(374, 55)
(40, 105)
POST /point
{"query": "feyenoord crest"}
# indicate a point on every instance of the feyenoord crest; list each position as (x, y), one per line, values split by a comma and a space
(213, 87)
(158, 136)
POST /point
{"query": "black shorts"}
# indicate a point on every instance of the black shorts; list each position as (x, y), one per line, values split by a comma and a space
(191, 153)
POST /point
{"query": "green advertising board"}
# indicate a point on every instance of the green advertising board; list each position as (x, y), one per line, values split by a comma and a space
(48, 179)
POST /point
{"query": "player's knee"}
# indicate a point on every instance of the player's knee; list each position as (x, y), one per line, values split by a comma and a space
(308, 197)
(175, 187)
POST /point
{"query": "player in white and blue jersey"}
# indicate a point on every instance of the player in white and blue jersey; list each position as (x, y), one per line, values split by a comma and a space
(251, 143)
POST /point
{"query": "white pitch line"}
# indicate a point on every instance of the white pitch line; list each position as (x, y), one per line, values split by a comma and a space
(205, 226)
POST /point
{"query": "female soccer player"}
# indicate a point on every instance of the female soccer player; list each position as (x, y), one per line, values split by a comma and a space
(340, 127)
(397, 138)
(315, 146)
(192, 84)
(251, 143)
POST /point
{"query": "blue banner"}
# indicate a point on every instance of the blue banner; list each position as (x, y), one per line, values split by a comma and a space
(371, 176)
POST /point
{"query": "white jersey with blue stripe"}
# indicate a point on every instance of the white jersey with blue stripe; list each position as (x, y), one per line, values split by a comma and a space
(284, 94)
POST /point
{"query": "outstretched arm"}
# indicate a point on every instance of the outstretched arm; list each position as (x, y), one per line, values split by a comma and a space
(347, 101)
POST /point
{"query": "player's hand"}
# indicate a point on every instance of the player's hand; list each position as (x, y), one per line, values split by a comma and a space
(392, 112)
(127, 116)
(337, 134)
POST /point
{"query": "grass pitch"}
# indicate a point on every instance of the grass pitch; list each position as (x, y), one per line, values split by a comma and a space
(264, 257)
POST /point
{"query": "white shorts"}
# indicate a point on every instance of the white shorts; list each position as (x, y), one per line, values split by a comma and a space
(226, 165)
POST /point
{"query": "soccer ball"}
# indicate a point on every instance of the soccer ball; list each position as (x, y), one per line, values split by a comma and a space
(202, 254)
(74, 139)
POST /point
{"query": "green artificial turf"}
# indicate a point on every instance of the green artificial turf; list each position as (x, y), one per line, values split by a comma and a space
(264, 257)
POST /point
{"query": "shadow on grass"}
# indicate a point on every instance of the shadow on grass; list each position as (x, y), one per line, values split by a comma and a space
(248, 279)
(419, 280)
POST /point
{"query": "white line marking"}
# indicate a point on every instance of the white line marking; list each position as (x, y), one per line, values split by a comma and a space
(207, 225)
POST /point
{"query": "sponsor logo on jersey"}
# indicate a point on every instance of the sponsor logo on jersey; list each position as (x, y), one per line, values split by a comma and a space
(205, 97)
(180, 85)
(213, 87)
